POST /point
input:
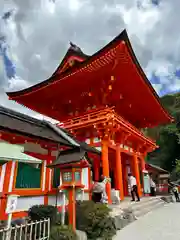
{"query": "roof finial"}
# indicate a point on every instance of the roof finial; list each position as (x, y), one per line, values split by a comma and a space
(75, 47)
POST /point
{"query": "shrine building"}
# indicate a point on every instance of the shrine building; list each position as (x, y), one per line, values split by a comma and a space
(106, 100)
(27, 146)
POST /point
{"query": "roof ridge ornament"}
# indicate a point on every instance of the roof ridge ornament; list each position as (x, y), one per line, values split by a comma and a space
(75, 47)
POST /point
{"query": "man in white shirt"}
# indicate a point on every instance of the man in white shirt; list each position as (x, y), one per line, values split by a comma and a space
(133, 186)
(152, 186)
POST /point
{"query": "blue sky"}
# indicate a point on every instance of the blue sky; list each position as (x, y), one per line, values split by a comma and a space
(34, 36)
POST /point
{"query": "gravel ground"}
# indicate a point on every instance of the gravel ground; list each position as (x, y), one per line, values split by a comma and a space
(162, 224)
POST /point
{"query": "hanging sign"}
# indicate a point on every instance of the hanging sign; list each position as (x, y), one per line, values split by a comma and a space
(11, 204)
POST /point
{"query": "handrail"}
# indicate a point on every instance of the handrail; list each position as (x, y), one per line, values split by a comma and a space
(87, 116)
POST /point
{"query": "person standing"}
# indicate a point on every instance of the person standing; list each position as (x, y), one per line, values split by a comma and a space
(170, 186)
(98, 190)
(176, 193)
(134, 188)
(153, 187)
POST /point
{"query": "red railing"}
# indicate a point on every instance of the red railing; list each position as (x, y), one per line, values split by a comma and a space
(101, 116)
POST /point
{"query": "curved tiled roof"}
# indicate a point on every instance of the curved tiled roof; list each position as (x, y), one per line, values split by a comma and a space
(24, 125)
(81, 66)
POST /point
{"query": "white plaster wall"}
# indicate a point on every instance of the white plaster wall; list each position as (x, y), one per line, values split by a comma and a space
(126, 147)
(86, 196)
(87, 141)
(24, 203)
(52, 200)
(50, 179)
(3, 171)
(60, 182)
(44, 175)
(85, 178)
(98, 148)
(96, 140)
(11, 176)
(78, 196)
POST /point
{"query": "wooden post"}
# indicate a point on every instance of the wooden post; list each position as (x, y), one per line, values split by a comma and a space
(47, 177)
(125, 177)
(96, 164)
(96, 169)
(5, 189)
(118, 172)
(136, 173)
(125, 180)
(72, 208)
(105, 166)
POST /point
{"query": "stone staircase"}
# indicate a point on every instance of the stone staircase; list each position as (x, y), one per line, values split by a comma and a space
(146, 205)
(138, 209)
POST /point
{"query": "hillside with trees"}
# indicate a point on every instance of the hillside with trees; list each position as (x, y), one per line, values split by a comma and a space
(167, 137)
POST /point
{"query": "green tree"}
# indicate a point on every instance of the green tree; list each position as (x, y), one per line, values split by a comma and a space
(167, 136)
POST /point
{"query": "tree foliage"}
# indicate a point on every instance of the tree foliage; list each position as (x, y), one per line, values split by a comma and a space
(177, 169)
(94, 219)
(59, 232)
(167, 136)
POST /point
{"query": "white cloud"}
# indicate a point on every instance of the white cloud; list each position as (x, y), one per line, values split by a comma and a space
(158, 87)
(175, 86)
(40, 31)
(16, 83)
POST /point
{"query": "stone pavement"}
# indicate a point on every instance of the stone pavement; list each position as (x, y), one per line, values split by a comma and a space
(161, 224)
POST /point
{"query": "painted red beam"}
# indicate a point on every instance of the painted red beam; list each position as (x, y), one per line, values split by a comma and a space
(15, 138)
(104, 116)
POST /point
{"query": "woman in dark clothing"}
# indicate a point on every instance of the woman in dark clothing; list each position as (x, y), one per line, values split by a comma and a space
(96, 197)
(97, 190)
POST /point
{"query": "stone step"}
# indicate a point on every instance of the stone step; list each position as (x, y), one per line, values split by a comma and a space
(127, 212)
(138, 208)
(148, 208)
(147, 203)
(135, 205)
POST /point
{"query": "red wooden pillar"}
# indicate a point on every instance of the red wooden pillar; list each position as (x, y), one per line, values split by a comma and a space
(47, 177)
(72, 207)
(5, 191)
(89, 170)
(136, 173)
(96, 166)
(89, 182)
(114, 174)
(118, 172)
(125, 178)
(105, 166)
(96, 163)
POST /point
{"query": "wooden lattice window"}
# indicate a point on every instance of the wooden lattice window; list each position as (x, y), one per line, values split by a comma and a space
(28, 176)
